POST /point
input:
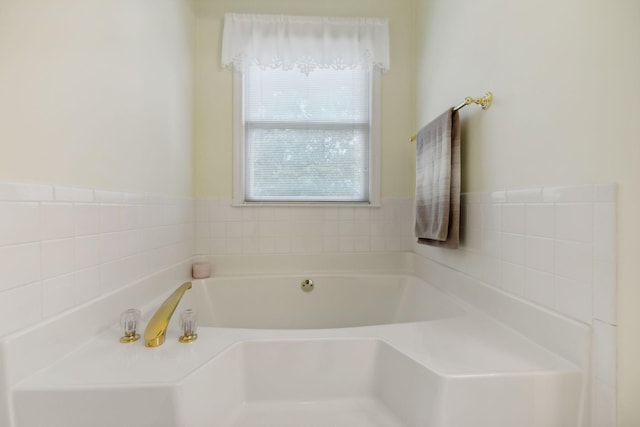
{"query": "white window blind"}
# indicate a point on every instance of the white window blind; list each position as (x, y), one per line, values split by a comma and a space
(307, 136)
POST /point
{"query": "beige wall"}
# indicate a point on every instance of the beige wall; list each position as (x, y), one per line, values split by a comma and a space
(566, 87)
(97, 94)
(213, 142)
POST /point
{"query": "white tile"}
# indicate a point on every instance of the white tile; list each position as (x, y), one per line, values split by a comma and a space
(473, 217)
(574, 221)
(605, 192)
(513, 279)
(73, 194)
(88, 251)
(525, 195)
(250, 228)
(492, 217)
(471, 239)
(56, 220)
(203, 230)
(282, 245)
(330, 228)
(250, 245)
(331, 214)
(134, 197)
(112, 247)
(20, 307)
(201, 246)
(492, 271)
(111, 273)
(234, 245)
(105, 196)
(218, 245)
(540, 220)
(361, 214)
(128, 217)
(19, 223)
(19, 265)
(110, 218)
(513, 218)
(234, 229)
(513, 248)
(346, 244)
(574, 299)
(497, 197)
(57, 294)
(492, 244)
(87, 219)
(540, 254)
(605, 292)
(378, 244)
(603, 405)
(375, 213)
(251, 213)
(232, 213)
(25, 192)
(346, 228)
(132, 242)
(281, 228)
(361, 228)
(568, 194)
(348, 214)
(574, 260)
(217, 230)
(331, 243)
(57, 257)
(539, 287)
(472, 264)
(362, 244)
(604, 232)
(266, 245)
(604, 353)
(203, 210)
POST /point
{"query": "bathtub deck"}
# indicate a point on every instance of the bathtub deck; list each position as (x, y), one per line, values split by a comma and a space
(330, 413)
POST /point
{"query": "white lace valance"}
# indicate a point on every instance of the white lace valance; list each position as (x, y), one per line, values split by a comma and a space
(304, 42)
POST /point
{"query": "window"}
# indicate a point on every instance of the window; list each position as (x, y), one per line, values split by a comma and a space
(307, 137)
(306, 107)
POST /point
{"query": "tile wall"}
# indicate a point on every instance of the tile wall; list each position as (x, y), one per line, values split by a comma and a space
(225, 229)
(553, 246)
(556, 247)
(62, 246)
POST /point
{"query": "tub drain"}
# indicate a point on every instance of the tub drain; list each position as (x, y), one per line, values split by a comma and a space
(307, 285)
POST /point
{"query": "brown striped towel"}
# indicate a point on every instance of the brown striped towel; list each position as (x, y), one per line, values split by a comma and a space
(438, 182)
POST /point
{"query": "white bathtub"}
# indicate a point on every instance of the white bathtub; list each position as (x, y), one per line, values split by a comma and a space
(376, 349)
(336, 301)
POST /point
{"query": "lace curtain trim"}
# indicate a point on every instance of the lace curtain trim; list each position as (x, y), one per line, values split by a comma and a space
(304, 42)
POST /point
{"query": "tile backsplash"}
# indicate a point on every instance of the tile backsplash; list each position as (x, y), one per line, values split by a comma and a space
(552, 246)
(225, 229)
(62, 246)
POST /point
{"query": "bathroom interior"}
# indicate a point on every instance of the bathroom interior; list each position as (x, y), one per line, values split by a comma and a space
(117, 174)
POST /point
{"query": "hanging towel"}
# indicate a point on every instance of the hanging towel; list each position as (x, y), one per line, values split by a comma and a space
(438, 182)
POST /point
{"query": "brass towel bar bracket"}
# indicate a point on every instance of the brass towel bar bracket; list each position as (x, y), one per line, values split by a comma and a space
(484, 102)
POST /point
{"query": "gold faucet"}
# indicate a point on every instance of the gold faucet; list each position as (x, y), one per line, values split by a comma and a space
(157, 327)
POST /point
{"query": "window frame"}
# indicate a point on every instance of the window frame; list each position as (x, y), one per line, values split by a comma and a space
(239, 149)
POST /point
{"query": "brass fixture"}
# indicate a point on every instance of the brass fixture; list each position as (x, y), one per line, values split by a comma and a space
(156, 330)
(307, 285)
(484, 102)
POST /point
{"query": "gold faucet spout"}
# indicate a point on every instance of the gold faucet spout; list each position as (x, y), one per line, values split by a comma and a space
(157, 328)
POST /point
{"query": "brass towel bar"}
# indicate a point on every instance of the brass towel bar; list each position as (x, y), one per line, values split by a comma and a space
(484, 102)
